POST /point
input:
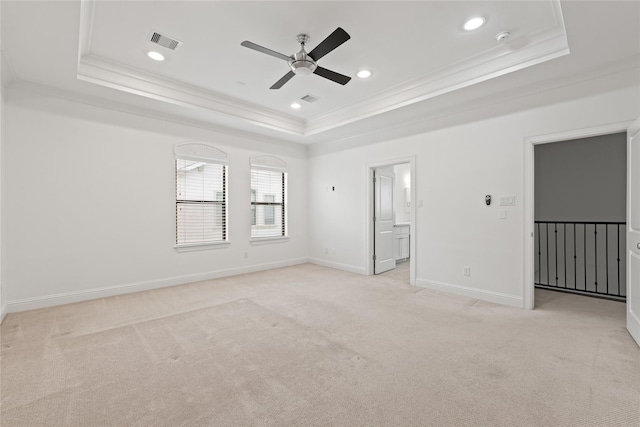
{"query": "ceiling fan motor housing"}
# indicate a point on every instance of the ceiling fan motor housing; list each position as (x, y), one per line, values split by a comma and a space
(301, 63)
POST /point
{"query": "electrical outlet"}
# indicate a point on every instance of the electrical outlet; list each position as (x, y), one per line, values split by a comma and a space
(333, 251)
(467, 270)
(246, 254)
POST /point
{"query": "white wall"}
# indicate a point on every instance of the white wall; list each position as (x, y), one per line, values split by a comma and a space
(582, 180)
(3, 301)
(91, 205)
(455, 168)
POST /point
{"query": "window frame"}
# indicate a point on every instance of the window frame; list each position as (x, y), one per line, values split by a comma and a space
(270, 164)
(208, 154)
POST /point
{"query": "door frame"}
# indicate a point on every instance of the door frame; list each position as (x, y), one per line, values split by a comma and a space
(369, 231)
(528, 291)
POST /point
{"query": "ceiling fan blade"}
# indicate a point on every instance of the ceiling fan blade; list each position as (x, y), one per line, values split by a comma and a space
(283, 80)
(259, 48)
(332, 75)
(334, 40)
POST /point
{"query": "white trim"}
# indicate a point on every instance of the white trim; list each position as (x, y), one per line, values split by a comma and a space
(632, 319)
(268, 162)
(123, 108)
(528, 192)
(536, 47)
(257, 241)
(338, 266)
(368, 223)
(547, 45)
(108, 291)
(117, 76)
(201, 246)
(495, 297)
(3, 313)
(8, 73)
(200, 151)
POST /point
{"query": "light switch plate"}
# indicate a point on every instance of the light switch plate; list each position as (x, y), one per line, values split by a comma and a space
(507, 200)
(503, 214)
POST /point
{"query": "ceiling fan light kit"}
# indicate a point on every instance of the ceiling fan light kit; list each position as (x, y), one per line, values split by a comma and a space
(303, 63)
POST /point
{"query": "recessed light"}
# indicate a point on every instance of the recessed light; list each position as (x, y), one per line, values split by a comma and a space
(156, 56)
(363, 74)
(474, 23)
(296, 105)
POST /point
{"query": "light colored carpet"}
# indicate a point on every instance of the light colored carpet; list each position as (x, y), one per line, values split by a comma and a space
(312, 346)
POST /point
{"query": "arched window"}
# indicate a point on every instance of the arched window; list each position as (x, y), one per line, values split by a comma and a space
(201, 194)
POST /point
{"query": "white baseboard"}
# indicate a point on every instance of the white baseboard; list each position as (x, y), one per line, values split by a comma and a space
(3, 313)
(495, 297)
(338, 266)
(84, 295)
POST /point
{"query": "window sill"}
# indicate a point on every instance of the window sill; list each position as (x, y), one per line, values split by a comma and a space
(268, 240)
(201, 246)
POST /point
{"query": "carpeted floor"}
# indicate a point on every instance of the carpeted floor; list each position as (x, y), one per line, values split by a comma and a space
(312, 346)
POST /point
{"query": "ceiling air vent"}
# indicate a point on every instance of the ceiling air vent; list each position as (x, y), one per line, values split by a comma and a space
(310, 98)
(165, 41)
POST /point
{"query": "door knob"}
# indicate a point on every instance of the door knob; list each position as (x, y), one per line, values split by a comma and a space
(638, 245)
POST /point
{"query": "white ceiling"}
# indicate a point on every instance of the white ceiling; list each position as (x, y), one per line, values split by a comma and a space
(420, 56)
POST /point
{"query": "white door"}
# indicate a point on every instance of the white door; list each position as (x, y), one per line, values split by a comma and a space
(383, 221)
(633, 231)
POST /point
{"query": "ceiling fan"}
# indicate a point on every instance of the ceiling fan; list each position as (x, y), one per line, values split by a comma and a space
(304, 63)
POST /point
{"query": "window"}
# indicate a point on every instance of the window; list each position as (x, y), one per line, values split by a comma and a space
(268, 197)
(201, 195)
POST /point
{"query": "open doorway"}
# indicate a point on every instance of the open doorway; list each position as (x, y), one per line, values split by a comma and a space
(391, 236)
(576, 232)
(580, 216)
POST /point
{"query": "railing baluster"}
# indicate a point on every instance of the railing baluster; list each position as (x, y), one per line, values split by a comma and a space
(547, 233)
(564, 248)
(606, 247)
(575, 260)
(595, 253)
(539, 253)
(618, 259)
(555, 238)
(584, 240)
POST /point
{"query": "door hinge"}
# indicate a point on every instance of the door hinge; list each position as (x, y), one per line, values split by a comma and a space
(374, 258)
(374, 218)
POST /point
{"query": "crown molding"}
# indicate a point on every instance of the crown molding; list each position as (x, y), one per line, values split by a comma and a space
(519, 53)
(117, 76)
(124, 108)
(625, 71)
(100, 71)
(525, 51)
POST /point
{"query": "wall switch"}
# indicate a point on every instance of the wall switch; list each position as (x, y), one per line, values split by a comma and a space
(467, 270)
(246, 254)
(326, 250)
(502, 214)
(507, 200)
(333, 251)
(419, 203)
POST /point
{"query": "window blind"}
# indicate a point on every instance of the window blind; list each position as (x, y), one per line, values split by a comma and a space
(268, 198)
(201, 202)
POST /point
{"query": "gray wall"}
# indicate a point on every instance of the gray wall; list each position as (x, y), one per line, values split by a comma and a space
(582, 179)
